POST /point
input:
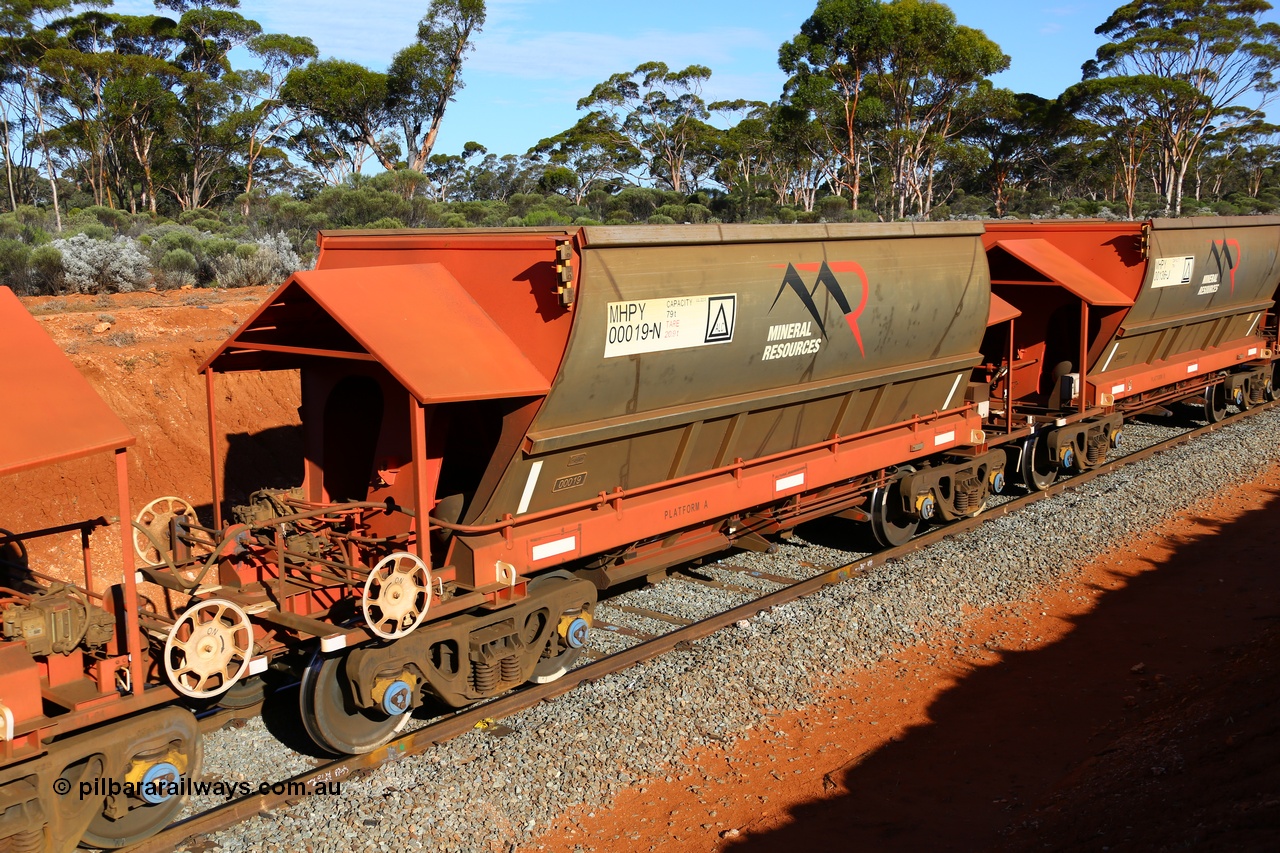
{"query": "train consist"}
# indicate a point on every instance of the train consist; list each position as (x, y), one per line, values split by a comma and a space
(499, 423)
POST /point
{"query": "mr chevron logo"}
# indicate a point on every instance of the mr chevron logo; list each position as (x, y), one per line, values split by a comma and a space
(826, 279)
(1226, 255)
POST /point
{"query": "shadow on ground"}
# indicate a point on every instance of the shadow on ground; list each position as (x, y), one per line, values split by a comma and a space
(1074, 746)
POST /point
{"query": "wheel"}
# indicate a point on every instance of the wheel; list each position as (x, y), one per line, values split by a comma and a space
(558, 657)
(1272, 381)
(1215, 403)
(330, 716)
(396, 595)
(145, 819)
(890, 525)
(245, 693)
(1038, 469)
(155, 517)
(208, 648)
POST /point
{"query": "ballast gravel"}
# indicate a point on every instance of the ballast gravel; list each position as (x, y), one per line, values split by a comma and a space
(482, 792)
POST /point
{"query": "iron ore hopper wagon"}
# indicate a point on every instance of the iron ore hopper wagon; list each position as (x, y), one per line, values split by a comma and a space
(92, 747)
(497, 424)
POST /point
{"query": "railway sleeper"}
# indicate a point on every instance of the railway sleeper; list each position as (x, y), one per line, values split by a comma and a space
(477, 655)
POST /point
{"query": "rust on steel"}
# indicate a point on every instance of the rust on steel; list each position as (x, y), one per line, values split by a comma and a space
(457, 724)
(415, 320)
(1058, 267)
(51, 413)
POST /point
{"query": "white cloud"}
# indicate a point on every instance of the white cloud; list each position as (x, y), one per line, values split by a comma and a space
(594, 56)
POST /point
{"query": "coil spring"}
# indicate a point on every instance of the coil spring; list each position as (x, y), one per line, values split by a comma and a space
(968, 495)
(484, 676)
(1257, 392)
(31, 841)
(511, 668)
(1096, 450)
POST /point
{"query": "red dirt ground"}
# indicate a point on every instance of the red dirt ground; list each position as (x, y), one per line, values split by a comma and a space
(1134, 707)
(140, 351)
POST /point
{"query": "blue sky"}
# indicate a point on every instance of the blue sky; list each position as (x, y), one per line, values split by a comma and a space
(536, 58)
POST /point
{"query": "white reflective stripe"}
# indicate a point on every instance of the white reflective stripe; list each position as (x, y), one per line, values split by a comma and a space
(8, 722)
(257, 666)
(1192, 368)
(1117, 389)
(139, 577)
(556, 548)
(1253, 350)
(1110, 356)
(944, 438)
(1253, 325)
(954, 386)
(529, 485)
(333, 642)
(789, 482)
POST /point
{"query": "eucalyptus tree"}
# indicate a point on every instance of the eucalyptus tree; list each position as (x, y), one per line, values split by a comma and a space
(1013, 132)
(203, 138)
(26, 35)
(837, 48)
(1119, 111)
(591, 151)
(660, 114)
(425, 76)
(1200, 61)
(260, 117)
(349, 113)
(929, 65)
(343, 117)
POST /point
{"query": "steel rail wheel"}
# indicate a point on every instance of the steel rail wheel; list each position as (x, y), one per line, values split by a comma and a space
(145, 819)
(1215, 403)
(1038, 468)
(332, 718)
(890, 524)
(558, 657)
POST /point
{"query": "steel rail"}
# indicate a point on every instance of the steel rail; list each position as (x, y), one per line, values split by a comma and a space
(463, 721)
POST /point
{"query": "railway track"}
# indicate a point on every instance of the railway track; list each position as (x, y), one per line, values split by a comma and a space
(642, 646)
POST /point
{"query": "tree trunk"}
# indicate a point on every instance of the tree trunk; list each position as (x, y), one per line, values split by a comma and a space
(8, 164)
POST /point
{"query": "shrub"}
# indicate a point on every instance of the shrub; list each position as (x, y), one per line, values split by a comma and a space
(674, 212)
(386, 222)
(216, 247)
(273, 261)
(15, 258)
(47, 274)
(116, 220)
(97, 231)
(543, 216)
(833, 207)
(98, 266)
(205, 223)
(179, 260)
(168, 237)
(659, 219)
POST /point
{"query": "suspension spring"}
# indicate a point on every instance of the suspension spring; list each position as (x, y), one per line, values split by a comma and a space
(511, 668)
(484, 676)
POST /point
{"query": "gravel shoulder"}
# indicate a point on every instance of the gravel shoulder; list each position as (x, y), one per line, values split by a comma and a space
(1129, 706)
(627, 734)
